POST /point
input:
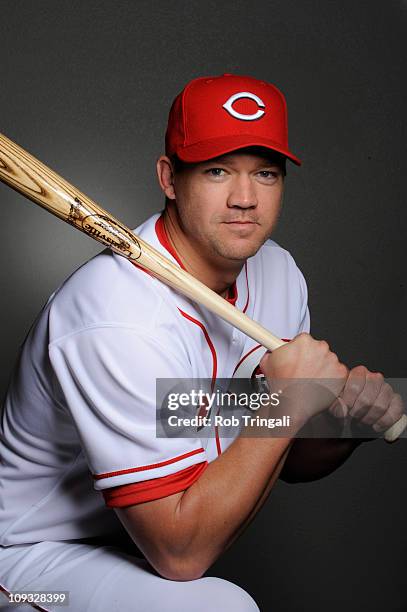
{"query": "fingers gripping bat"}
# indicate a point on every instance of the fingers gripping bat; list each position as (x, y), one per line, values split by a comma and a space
(34, 180)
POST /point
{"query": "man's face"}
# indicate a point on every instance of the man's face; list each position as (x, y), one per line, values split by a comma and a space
(228, 206)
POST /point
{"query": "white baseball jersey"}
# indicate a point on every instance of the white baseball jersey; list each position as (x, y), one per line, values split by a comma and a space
(79, 425)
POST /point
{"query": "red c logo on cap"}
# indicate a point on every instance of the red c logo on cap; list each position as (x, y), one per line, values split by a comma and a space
(228, 106)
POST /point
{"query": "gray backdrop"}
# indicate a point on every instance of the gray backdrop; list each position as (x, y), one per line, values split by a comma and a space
(86, 86)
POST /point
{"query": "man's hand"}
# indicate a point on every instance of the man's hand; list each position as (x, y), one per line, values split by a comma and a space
(309, 360)
(368, 398)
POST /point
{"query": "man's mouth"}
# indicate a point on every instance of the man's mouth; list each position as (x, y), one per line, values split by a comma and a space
(241, 222)
(242, 227)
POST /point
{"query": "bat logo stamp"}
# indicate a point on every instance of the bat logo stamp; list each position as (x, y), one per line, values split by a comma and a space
(112, 234)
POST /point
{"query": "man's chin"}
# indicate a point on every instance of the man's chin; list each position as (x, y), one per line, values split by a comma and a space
(239, 252)
(240, 247)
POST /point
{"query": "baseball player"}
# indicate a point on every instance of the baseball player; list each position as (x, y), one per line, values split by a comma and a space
(93, 502)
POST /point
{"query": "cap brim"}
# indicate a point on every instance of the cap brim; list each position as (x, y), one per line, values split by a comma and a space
(202, 151)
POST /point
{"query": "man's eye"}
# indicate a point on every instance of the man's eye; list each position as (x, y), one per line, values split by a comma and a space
(215, 171)
(268, 174)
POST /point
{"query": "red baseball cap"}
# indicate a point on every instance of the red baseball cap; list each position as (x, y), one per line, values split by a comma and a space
(216, 115)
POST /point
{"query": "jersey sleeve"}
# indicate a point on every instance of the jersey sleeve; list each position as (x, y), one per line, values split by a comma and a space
(108, 378)
(304, 325)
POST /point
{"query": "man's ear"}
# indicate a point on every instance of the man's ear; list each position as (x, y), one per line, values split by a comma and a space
(165, 174)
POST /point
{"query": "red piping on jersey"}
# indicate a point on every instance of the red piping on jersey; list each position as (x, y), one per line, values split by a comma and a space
(154, 488)
(165, 242)
(247, 285)
(245, 356)
(142, 468)
(214, 367)
(210, 344)
(252, 351)
(8, 593)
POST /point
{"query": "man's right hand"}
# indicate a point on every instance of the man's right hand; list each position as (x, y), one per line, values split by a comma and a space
(310, 359)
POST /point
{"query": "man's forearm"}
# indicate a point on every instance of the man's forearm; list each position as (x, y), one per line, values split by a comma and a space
(222, 502)
(264, 496)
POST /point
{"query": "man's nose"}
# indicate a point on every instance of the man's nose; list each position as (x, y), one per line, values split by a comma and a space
(242, 193)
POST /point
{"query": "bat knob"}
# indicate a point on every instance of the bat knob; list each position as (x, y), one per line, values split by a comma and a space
(396, 429)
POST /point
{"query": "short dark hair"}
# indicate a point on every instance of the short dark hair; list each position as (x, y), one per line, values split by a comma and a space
(179, 165)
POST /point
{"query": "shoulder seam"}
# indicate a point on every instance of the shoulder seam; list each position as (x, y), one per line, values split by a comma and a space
(106, 325)
(141, 332)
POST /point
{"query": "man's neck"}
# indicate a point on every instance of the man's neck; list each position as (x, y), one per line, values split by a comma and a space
(215, 274)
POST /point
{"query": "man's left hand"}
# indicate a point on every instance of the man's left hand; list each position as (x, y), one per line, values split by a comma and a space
(368, 398)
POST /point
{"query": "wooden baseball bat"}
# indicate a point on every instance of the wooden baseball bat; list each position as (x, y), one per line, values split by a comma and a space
(34, 180)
